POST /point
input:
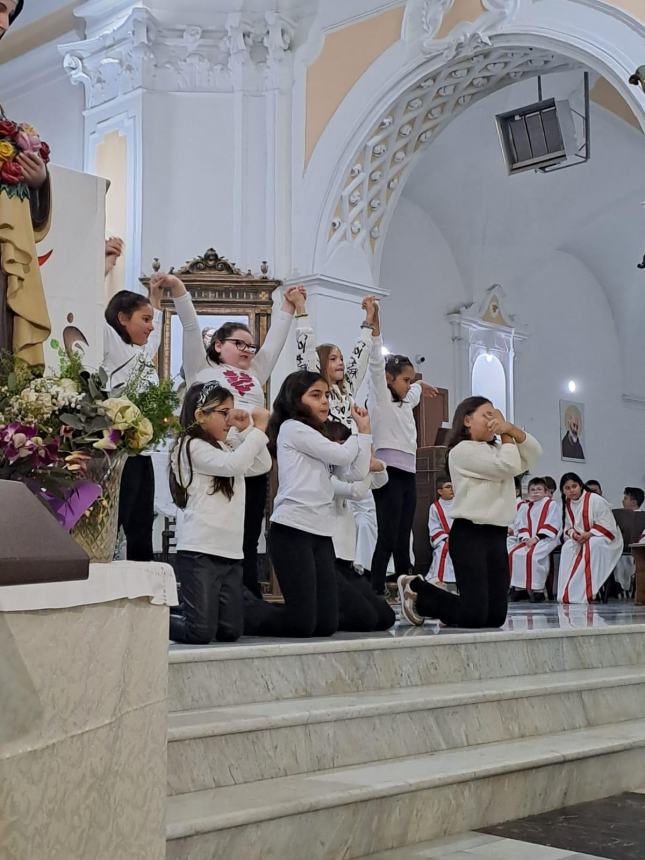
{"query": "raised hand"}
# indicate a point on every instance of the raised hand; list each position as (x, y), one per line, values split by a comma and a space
(260, 418)
(499, 425)
(294, 300)
(114, 248)
(239, 419)
(430, 390)
(361, 419)
(34, 169)
(161, 280)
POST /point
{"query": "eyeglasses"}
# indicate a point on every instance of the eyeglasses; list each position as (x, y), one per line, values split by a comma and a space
(242, 345)
(224, 412)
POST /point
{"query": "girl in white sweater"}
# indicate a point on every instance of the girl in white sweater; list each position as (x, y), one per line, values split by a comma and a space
(304, 514)
(482, 471)
(207, 485)
(235, 361)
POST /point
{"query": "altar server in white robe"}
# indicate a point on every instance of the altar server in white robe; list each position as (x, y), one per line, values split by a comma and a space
(439, 525)
(538, 532)
(593, 542)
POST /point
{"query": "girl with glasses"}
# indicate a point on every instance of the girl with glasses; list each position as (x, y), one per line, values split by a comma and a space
(207, 482)
(234, 360)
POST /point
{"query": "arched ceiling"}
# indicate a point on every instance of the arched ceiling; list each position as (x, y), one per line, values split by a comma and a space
(412, 122)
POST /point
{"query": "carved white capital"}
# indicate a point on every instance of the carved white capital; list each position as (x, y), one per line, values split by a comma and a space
(251, 52)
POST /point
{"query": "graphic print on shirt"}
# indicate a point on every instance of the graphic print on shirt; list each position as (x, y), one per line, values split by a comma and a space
(239, 381)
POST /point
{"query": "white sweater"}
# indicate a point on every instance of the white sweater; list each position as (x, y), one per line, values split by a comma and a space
(246, 386)
(392, 421)
(120, 359)
(482, 478)
(306, 463)
(211, 523)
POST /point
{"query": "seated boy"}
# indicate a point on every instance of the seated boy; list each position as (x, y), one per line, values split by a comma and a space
(439, 524)
(633, 498)
(538, 533)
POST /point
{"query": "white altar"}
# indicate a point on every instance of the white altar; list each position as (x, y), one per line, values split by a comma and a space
(83, 722)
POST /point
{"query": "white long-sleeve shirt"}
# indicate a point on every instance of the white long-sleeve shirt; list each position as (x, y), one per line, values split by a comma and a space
(246, 386)
(344, 536)
(211, 523)
(121, 359)
(392, 421)
(340, 401)
(482, 478)
(306, 462)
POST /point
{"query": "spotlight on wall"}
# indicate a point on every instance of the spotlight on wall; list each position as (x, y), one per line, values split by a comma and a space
(572, 386)
(488, 357)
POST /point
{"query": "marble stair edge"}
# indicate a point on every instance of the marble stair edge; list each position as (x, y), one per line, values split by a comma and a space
(378, 729)
(351, 812)
(218, 677)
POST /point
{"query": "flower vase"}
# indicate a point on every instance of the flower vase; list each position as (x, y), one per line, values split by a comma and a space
(96, 532)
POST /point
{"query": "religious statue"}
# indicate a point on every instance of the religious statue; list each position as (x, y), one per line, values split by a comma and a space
(25, 207)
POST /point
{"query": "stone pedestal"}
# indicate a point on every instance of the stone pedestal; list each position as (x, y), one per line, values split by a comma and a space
(83, 731)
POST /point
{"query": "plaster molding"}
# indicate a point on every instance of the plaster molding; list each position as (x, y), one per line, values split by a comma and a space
(408, 125)
(253, 54)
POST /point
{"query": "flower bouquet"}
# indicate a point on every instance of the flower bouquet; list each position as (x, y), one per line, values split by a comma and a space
(67, 437)
(16, 138)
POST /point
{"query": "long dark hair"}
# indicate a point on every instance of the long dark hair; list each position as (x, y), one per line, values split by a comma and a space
(288, 404)
(124, 302)
(223, 333)
(395, 365)
(569, 476)
(459, 432)
(202, 395)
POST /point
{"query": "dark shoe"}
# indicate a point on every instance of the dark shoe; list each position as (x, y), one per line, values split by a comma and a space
(536, 596)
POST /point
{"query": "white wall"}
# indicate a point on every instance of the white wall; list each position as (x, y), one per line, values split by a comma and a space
(53, 106)
(463, 225)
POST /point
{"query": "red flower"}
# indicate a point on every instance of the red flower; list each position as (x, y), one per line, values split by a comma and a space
(8, 128)
(45, 152)
(11, 173)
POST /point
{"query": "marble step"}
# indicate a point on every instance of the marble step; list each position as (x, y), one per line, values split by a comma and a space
(346, 813)
(230, 745)
(215, 676)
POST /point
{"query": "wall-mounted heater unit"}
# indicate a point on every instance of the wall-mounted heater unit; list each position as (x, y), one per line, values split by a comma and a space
(543, 135)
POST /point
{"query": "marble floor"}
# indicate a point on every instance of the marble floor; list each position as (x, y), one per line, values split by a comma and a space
(521, 617)
(480, 846)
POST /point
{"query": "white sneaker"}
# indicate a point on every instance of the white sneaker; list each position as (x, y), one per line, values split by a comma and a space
(408, 600)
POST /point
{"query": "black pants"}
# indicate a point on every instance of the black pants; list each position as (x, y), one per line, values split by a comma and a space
(256, 502)
(480, 559)
(210, 599)
(137, 507)
(395, 506)
(359, 608)
(304, 565)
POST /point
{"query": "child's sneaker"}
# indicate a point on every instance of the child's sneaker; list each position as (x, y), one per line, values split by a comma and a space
(408, 601)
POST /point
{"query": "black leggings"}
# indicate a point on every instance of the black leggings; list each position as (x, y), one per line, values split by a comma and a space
(304, 565)
(255, 506)
(395, 506)
(137, 507)
(359, 608)
(480, 559)
(210, 599)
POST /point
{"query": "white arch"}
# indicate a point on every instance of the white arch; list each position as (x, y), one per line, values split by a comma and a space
(563, 32)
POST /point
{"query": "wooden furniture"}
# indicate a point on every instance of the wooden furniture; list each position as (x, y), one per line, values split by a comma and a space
(431, 413)
(638, 551)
